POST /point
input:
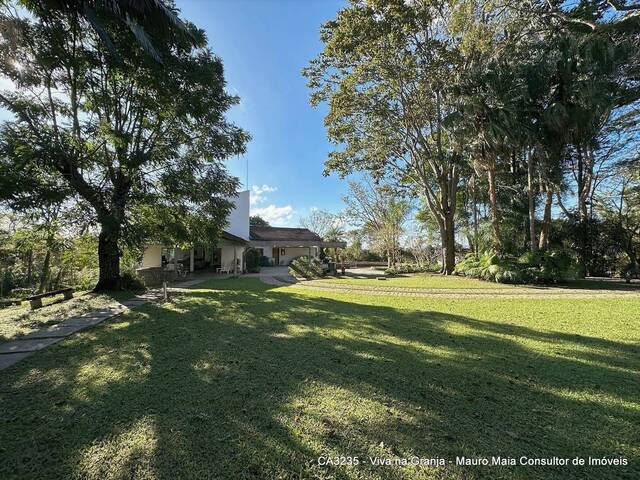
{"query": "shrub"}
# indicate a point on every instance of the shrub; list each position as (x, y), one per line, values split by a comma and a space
(550, 267)
(265, 261)
(253, 259)
(304, 267)
(130, 280)
(85, 279)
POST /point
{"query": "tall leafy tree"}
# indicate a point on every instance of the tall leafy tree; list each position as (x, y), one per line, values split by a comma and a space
(141, 145)
(384, 72)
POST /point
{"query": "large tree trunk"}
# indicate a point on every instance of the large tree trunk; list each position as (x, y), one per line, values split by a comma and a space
(448, 243)
(108, 259)
(583, 179)
(532, 203)
(493, 201)
(546, 219)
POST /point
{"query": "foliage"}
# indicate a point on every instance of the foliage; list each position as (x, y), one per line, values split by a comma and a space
(253, 260)
(354, 250)
(146, 19)
(549, 267)
(305, 267)
(258, 221)
(489, 112)
(321, 222)
(266, 261)
(379, 214)
(131, 281)
(140, 145)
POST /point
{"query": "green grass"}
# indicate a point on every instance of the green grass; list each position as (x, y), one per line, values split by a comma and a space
(239, 380)
(428, 280)
(20, 320)
(417, 280)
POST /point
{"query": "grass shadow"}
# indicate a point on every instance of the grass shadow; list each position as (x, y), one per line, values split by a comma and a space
(235, 379)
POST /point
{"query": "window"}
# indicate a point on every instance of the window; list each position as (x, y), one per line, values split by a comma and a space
(282, 252)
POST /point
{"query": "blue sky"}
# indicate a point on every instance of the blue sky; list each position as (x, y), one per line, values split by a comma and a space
(264, 45)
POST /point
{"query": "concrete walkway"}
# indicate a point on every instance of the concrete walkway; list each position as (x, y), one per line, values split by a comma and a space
(16, 350)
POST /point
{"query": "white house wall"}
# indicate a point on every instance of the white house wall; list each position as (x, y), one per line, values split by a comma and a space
(227, 256)
(292, 253)
(152, 256)
(239, 216)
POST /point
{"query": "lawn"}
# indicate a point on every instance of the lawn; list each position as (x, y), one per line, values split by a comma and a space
(239, 380)
(20, 319)
(434, 281)
(417, 280)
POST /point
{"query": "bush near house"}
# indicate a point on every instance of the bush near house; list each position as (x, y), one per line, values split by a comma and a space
(304, 267)
(266, 261)
(532, 267)
(254, 260)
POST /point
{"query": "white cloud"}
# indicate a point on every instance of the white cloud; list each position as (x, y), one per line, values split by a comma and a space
(258, 193)
(276, 216)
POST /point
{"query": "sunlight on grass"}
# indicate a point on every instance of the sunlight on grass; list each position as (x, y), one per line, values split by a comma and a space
(20, 319)
(129, 453)
(237, 379)
(418, 280)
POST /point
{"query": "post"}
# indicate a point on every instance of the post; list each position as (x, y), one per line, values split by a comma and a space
(310, 257)
(192, 260)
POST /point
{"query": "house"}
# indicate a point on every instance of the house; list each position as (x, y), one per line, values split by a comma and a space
(281, 245)
(226, 254)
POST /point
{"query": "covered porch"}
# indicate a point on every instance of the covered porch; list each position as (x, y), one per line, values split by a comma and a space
(165, 263)
(283, 252)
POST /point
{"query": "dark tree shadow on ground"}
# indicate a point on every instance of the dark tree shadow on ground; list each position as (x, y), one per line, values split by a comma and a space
(249, 382)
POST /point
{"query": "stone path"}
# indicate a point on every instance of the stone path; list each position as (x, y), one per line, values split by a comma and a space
(16, 350)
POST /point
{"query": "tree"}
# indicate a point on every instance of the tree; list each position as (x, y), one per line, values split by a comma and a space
(379, 215)
(385, 72)
(140, 144)
(321, 222)
(258, 221)
(597, 16)
(354, 250)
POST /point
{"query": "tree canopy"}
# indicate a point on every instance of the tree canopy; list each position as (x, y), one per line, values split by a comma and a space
(138, 145)
(520, 99)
